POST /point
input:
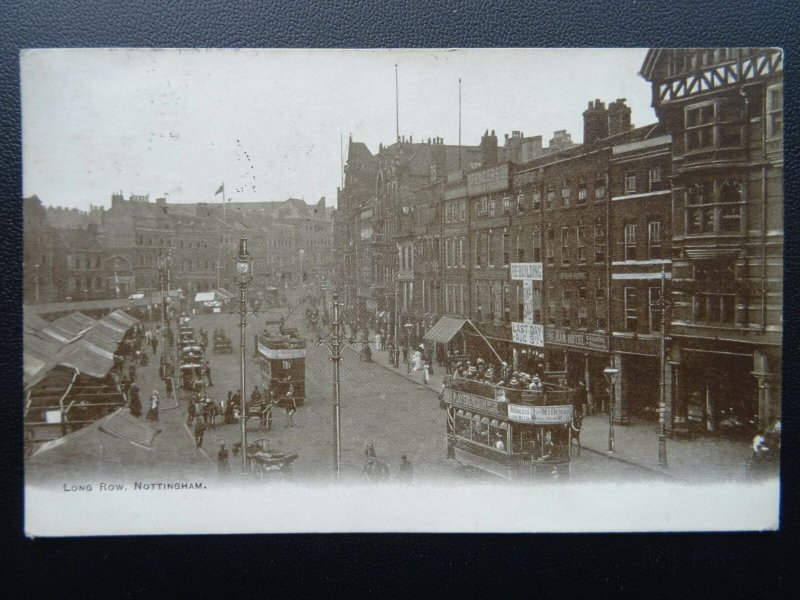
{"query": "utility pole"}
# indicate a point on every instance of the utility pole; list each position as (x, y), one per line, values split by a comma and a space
(663, 305)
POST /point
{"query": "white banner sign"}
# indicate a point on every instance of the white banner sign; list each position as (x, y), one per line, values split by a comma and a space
(280, 354)
(527, 300)
(541, 415)
(526, 271)
(527, 333)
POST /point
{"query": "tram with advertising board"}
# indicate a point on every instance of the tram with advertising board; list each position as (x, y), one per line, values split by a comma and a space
(511, 433)
(282, 359)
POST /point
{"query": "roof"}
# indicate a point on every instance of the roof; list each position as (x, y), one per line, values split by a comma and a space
(205, 297)
(445, 329)
(89, 358)
(116, 440)
(650, 62)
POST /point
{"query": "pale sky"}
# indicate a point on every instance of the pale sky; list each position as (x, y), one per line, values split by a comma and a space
(269, 122)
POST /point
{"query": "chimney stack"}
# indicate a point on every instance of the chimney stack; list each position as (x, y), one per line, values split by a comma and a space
(489, 149)
(619, 117)
(595, 122)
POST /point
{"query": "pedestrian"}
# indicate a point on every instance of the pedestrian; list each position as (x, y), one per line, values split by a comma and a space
(222, 460)
(199, 431)
(191, 412)
(378, 341)
(207, 371)
(405, 353)
(406, 473)
(135, 406)
(289, 407)
(152, 414)
(135, 393)
(170, 385)
(132, 371)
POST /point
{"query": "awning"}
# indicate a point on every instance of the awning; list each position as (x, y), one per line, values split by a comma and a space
(226, 295)
(205, 297)
(445, 329)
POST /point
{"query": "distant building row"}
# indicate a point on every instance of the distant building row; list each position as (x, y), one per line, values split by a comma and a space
(107, 253)
(424, 230)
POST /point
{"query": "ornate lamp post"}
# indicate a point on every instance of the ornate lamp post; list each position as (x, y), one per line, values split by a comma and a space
(335, 347)
(244, 275)
(334, 341)
(408, 326)
(611, 373)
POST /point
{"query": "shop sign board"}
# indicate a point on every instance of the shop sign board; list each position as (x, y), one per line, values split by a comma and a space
(473, 402)
(527, 333)
(577, 339)
(540, 415)
(525, 271)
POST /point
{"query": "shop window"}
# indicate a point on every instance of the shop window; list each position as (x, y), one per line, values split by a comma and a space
(630, 182)
(631, 309)
(551, 306)
(654, 309)
(654, 240)
(600, 304)
(654, 178)
(714, 207)
(582, 192)
(599, 243)
(581, 243)
(565, 245)
(774, 110)
(630, 242)
(536, 200)
(600, 188)
(712, 125)
(566, 195)
(550, 199)
(548, 246)
(714, 299)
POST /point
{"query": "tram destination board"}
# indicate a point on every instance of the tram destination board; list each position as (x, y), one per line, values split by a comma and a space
(477, 403)
(540, 415)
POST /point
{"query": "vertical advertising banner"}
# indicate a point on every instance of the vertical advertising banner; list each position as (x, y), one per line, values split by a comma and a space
(527, 300)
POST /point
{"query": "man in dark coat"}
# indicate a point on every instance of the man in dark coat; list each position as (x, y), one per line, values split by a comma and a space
(199, 431)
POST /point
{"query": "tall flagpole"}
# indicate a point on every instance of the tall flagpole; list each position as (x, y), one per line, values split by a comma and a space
(459, 123)
(396, 104)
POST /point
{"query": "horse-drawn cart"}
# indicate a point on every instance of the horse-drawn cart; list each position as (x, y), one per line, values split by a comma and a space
(264, 461)
(222, 343)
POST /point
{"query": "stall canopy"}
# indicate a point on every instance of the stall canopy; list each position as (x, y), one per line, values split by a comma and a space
(205, 297)
(447, 327)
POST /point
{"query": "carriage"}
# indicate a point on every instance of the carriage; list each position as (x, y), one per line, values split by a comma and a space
(264, 461)
(222, 343)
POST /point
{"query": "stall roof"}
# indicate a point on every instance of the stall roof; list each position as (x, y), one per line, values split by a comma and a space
(445, 329)
(74, 323)
(90, 359)
(205, 297)
(123, 317)
(225, 293)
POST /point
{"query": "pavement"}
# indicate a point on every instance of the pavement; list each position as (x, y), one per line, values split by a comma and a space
(702, 459)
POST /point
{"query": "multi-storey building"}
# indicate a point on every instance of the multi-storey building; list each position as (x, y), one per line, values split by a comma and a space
(724, 110)
(40, 250)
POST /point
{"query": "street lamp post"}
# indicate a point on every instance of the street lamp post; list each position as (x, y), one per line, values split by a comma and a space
(335, 347)
(408, 326)
(36, 283)
(244, 275)
(611, 373)
(663, 305)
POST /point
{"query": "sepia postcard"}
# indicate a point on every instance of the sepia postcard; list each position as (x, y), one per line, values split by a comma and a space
(456, 290)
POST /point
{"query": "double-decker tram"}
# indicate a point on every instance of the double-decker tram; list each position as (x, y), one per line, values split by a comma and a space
(516, 434)
(282, 358)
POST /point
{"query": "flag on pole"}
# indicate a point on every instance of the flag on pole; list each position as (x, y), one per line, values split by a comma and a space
(220, 190)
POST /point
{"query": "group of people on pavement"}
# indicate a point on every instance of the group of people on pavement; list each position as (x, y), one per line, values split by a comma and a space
(377, 470)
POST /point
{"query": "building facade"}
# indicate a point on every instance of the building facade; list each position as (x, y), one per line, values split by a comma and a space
(724, 110)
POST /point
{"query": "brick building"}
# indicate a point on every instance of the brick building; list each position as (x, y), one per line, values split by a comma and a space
(724, 110)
